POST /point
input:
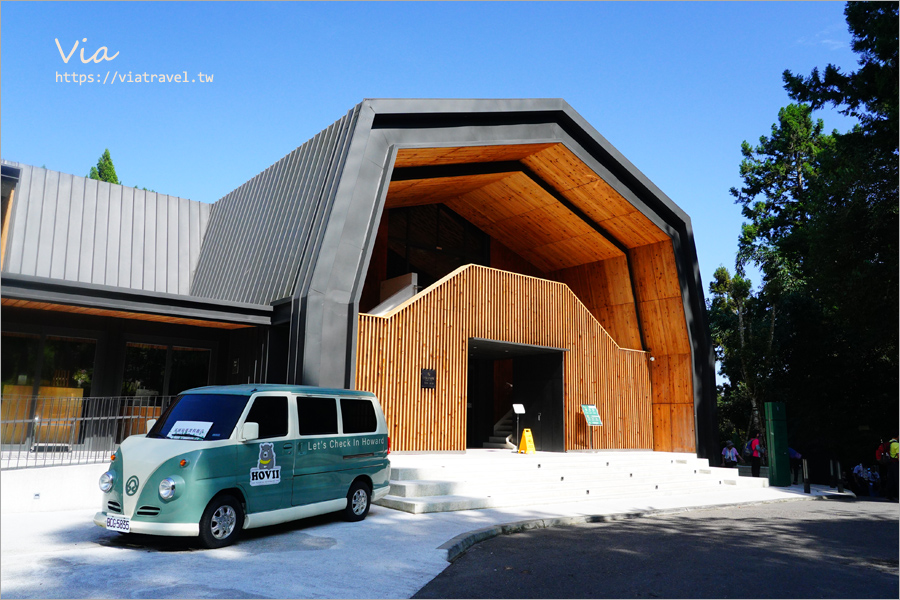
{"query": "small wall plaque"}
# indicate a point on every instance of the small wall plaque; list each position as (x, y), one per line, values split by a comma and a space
(429, 379)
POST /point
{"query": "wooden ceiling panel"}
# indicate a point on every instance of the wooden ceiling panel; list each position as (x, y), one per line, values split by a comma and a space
(543, 228)
(634, 229)
(585, 249)
(520, 193)
(417, 157)
(560, 168)
(539, 260)
(414, 192)
(599, 201)
(485, 203)
(561, 215)
(521, 214)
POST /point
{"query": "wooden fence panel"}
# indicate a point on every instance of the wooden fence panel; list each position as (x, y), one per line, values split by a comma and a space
(431, 331)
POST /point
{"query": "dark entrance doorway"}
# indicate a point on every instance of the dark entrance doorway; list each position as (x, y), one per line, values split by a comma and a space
(502, 374)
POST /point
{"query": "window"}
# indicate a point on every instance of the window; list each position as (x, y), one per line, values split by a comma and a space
(318, 416)
(20, 359)
(60, 366)
(190, 368)
(161, 370)
(68, 366)
(358, 416)
(271, 412)
(222, 410)
(145, 370)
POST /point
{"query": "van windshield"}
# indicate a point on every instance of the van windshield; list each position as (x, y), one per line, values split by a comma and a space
(200, 417)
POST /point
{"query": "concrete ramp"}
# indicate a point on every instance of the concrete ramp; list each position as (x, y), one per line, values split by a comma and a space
(427, 483)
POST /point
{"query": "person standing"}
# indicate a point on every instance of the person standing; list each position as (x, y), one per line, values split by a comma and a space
(892, 481)
(730, 456)
(796, 463)
(755, 455)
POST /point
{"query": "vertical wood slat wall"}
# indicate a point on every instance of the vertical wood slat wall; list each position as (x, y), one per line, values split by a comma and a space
(431, 331)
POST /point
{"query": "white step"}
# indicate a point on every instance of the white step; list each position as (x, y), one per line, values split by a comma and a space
(496, 478)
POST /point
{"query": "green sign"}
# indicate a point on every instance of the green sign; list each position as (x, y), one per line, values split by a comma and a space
(591, 415)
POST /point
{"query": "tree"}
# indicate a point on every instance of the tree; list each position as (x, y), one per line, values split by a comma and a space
(821, 332)
(852, 237)
(104, 170)
(780, 171)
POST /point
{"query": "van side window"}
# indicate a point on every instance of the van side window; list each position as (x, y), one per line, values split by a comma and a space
(271, 412)
(358, 416)
(318, 416)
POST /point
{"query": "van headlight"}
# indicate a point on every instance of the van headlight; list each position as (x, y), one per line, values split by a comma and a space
(167, 488)
(106, 481)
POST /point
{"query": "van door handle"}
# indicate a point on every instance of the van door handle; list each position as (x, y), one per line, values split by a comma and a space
(288, 448)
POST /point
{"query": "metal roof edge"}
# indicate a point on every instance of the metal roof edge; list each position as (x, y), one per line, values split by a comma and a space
(42, 289)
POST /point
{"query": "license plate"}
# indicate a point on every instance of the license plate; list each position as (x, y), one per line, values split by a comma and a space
(120, 524)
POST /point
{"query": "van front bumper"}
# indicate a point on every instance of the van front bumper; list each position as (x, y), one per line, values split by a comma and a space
(172, 529)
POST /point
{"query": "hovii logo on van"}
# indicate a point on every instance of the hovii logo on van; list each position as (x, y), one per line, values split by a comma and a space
(266, 471)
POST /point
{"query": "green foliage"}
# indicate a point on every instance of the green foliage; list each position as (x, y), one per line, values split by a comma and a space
(775, 196)
(822, 219)
(104, 170)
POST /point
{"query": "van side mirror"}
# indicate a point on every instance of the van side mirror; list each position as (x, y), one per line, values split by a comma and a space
(249, 432)
(150, 424)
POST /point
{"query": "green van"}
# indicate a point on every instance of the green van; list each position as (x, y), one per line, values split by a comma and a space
(225, 458)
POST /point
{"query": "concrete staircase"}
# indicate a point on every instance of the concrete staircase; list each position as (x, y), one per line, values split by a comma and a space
(500, 478)
(503, 429)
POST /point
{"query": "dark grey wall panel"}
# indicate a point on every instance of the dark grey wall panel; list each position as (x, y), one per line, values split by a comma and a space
(261, 235)
(48, 222)
(85, 266)
(148, 281)
(136, 281)
(113, 235)
(126, 234)
(101, 234)
(76, 220)
(32, 224)
(61, 227)
(71, 228)
(19, 215)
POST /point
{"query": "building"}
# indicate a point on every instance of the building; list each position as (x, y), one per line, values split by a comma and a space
(453, 256)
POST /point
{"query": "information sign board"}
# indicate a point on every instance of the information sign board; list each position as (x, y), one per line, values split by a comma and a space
(591, 415)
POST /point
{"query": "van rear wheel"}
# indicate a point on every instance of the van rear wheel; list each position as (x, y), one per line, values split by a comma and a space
(221, 522)
(358, 500)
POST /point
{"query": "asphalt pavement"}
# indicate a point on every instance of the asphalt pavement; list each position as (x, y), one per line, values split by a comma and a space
(391, 554)
(828, 549)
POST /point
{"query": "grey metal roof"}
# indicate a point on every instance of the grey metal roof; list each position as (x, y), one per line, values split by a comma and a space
(72, 228)
(263, 237)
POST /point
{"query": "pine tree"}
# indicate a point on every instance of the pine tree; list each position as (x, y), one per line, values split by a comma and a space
(104, 171)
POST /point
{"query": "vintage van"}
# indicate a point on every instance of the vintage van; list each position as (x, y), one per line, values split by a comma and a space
(225, 458)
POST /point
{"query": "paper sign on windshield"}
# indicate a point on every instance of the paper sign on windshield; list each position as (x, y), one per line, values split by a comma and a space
(189, 430)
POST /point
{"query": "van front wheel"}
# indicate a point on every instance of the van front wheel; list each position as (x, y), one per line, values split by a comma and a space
(221, 522)
(358, 499)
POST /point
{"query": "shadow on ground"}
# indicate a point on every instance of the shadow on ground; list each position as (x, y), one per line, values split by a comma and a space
(796, 550)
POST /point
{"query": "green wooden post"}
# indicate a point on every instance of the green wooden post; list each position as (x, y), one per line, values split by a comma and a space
(777, 444)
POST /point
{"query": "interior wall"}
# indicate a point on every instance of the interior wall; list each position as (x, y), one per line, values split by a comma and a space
(665, 333)
(605, 289)
(506, 260)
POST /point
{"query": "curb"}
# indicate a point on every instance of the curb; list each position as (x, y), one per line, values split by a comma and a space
(458, 546)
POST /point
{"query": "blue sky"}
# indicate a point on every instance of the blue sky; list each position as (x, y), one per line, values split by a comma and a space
(674, 86)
